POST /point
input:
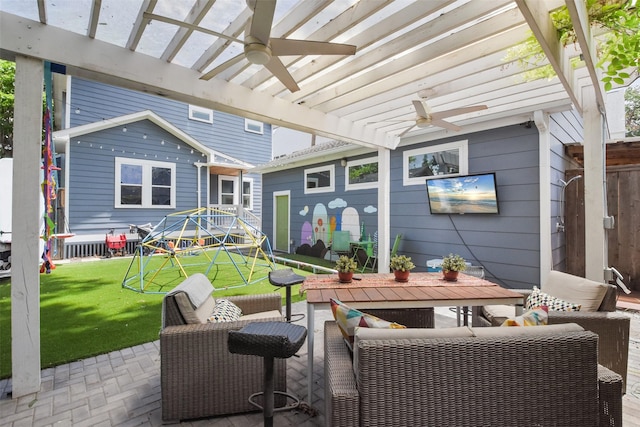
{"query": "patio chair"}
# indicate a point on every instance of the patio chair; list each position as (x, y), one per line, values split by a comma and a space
(199, 377)
(612, 327)
(462, 312)
(373, 260)
(341, 243)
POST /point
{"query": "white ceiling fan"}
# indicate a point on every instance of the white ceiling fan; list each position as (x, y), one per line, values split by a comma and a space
(260, 48)
(426, 118)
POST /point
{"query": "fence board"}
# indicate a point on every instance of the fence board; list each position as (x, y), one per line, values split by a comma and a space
(623, 200)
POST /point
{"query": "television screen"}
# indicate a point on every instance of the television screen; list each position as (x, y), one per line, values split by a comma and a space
(469, 194)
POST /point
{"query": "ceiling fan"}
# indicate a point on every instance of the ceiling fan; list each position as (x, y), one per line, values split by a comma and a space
(426, 118)
(260, 48)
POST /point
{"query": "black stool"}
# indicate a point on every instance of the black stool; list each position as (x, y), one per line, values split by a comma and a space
(269, 340)
(287, 278)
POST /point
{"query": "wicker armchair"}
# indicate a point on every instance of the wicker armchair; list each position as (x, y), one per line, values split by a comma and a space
(492, 377)
(612, 327)
(199, 376)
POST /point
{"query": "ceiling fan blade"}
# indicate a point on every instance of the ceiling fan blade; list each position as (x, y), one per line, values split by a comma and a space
(283, 47)
(457, 111)
(406, 130)
(220, 68)
(446, 125)
(420, 108)
(260, 25)
(278, 69)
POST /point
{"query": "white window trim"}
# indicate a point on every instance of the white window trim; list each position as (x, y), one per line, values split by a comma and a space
(250, 181)
(463, 153)
(332, 179)
(146, 183)
(235, 186)
(362, 185)
(249, 122)
(237, 190)
(195, 109)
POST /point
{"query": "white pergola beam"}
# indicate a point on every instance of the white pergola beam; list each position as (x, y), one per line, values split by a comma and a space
(367, 73)
(100, 61)
(580, 19)
(537, 16)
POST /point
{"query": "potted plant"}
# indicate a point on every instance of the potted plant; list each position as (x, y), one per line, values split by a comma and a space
(401, 266)
(451, 265)
(345, 266)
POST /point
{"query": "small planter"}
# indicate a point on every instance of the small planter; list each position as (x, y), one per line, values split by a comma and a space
(345, 277)
(450, 276)
(401, 276)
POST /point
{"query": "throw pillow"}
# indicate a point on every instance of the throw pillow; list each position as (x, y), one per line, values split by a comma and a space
(537, 316)
(538, 298)
(225, 311)
(348, 318)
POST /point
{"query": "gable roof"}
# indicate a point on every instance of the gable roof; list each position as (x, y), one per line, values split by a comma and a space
(214, 158)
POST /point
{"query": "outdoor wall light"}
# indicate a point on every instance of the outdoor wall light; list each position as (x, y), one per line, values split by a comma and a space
(343, 162)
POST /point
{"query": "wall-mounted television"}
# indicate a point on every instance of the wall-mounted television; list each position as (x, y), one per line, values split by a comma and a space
(468, 194)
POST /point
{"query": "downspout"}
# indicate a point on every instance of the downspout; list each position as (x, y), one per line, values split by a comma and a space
(541, 121)
(198, 165)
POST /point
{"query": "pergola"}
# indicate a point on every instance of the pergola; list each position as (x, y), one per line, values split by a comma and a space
(450, 52)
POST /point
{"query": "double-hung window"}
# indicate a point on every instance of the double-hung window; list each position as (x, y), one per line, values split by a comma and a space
(228, 194)
(144, 184)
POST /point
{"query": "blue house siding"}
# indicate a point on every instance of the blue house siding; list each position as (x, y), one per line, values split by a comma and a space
(565, 127)
(507, 245)
(92, 101)
(91, 162)
(97, 101)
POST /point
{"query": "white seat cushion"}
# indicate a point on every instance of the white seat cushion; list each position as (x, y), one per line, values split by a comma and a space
(261, 315)
(575, 289)
(497, 314)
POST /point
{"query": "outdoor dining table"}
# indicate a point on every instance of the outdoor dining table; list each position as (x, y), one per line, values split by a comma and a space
(381, 291)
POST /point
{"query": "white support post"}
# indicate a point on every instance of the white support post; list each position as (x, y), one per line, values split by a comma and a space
(384, 209)
(594, 181)
(25, 275)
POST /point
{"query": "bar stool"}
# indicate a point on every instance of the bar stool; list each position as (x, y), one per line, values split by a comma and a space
(287, 278)
(268, 340)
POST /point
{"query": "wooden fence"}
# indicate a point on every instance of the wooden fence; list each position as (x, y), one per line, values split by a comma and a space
(623, 200)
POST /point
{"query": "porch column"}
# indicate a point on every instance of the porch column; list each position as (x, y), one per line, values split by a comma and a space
(384, 209)
(595, 251)
(26, 220)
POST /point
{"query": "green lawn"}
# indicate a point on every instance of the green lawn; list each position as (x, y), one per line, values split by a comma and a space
(85, 311)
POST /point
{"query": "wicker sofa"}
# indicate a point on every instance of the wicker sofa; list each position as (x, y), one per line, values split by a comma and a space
(612, 327)
(482, 376)
(199, 376)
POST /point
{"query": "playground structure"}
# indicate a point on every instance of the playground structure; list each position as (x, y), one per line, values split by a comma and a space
(193, 241)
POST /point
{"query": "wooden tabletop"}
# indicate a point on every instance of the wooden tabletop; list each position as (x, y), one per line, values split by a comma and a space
(423, 289)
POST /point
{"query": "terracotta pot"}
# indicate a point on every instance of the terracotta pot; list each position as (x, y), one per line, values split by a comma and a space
(345, 277)
(450, 276)
(401, 276)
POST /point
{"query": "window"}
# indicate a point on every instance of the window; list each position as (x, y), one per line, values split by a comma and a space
(319, 180)
(247, 194)
(200, 114)
(227, 191)
(253, 126)
(449, 159)
(361, 174)
(144, 184)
